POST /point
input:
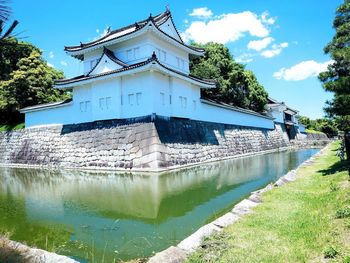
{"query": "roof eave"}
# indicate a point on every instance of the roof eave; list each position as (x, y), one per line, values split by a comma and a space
(79, 53)
(38, 107)
(236, 109)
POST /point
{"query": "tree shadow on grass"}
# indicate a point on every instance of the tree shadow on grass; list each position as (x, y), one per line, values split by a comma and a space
(339, 166)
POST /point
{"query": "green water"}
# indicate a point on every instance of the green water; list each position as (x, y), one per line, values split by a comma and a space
(107, 217)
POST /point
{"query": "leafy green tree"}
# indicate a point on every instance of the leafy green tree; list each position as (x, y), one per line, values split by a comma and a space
(29, 84)
(235, 85)
(337, 78)
(305, 121)
(257, 95)
(327, 126)
(10, 53)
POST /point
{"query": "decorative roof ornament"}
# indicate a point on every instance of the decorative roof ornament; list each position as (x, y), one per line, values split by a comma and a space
(154, 56)
(167, 8)
(108, 30)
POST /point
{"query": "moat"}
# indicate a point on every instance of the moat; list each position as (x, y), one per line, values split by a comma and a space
(106, 217)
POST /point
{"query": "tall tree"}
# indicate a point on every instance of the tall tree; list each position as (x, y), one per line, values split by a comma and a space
(29, 84)
(235, 85)
(337, 78)
(10, 53)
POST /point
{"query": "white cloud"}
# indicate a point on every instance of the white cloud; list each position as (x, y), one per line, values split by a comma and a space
(51, 54)
(50, 65)
(266, 19)
(226, 28)
(103, 33)
(275, 50)
(302, 70)
(244, 58)
(64, 63)
(259, 45)
(202, 12)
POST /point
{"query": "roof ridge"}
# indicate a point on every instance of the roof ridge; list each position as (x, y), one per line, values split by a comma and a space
(136, 25)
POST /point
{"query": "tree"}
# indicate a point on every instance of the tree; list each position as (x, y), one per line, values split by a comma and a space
(10, 53)
(235, 85)
(337, 77)
(327, 126)
(29, 84)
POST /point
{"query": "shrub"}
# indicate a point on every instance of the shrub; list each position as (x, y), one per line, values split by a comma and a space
(330, 252)
(343, 213)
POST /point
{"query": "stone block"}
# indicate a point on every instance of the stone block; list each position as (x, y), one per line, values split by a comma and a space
(226, 220)
(195, 240)
(244, 207)
(170, 255)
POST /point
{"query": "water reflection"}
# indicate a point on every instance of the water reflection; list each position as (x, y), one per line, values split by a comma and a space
(110, 215)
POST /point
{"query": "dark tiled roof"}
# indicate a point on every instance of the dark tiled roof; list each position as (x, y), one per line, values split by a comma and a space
(232, 107)
(133, 66)
(272, 101)
(46, 105)
(157, 21)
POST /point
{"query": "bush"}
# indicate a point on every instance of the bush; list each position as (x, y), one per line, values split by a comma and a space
(343, 213)
(330, 252)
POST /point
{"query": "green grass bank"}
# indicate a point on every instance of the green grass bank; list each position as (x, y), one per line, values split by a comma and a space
(304, 221)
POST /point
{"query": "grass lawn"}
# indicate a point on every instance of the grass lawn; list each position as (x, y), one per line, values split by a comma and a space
(8, 127)
(304, 221)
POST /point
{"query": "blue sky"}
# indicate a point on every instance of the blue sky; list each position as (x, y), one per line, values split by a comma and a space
(280, 41)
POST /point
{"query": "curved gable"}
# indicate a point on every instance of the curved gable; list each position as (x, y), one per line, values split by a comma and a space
(105, 64)
(169, 28)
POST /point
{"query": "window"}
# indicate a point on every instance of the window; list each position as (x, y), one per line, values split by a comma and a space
(131, 99)
(180, 63)
(161, 54)
(136, 52)
(121, 99)
(162, 98)
(129, 54)
(138, 98)
(82, 106)
(105, 103)
(85, 106)
(102, 103)
(88, 106)
(169, 99)
(194, 105)
(183, 102)
(108, 103)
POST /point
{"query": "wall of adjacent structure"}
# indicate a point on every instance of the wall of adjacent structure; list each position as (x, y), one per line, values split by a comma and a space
(141, 94)
(149, 143)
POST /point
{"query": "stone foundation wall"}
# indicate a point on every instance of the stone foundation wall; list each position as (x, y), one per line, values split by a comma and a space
(148, 143)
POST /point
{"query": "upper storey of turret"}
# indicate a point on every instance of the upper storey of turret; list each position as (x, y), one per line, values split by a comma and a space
(138, 41)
